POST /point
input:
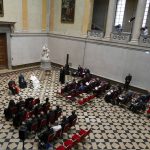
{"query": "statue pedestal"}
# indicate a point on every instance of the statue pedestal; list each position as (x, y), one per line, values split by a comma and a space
(45, 62)
(46, 68)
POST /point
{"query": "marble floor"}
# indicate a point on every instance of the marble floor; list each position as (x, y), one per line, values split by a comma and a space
(112, 127)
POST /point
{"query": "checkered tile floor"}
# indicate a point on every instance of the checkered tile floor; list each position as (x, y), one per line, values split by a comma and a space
(112, 127)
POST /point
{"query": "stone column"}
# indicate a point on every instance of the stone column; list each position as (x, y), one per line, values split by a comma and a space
(110, 18)
(138, 21)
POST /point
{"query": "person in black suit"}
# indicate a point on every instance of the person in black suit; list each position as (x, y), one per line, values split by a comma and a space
(128, 79)
(7, 111)
(64, 122)
(62, 76)
(72, 117)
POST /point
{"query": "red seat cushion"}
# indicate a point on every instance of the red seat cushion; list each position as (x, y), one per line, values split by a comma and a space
(80, 102)
(76, 137)
(68, 144)
(81, 132)
(60, 148)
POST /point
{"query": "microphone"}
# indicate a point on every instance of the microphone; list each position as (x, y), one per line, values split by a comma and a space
(131, 19)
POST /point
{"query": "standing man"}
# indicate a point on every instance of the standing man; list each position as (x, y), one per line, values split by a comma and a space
(128, 79)
(62, 76)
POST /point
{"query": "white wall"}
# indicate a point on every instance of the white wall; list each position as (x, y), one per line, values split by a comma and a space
(61, 47)
(26, 49)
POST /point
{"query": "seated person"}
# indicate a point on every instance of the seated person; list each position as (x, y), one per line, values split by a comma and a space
(12, 87)
(57, 111)
(72, 117)
(44, 135)
(109, 95)
(118, 28)
(80, 69)
(124, 98)
(56, 128)
(148, 112)
(18, 118)
(37, 109)
(22, 82)
(82, 87)
(137, 106)
(51, 116)
(30, 122)
(66, 88)
(78, 72)
(46, 105)
(28, 101)
(7, 111)
(144, 98)
(64, 122)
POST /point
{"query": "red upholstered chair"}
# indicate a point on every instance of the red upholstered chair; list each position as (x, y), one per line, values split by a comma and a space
(66, 127)
(27, 115)
(40, 110)
(92, 96)
(84, 133)
(80, 102)
(52, 119)
(58, 133)
(68, 144)
(58, 115)
(50, 137)
(43, 123)
(34, 127)
(37, 101)
(73, 122)
(60, 148)
(14, 110)
(88, 98)
(76, 139)
(85, 100)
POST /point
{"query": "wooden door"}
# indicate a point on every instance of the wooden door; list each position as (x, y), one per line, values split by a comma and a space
(3, 51)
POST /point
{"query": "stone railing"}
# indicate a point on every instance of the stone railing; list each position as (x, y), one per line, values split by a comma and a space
(144, 41)
(95, 34)
(121, 37)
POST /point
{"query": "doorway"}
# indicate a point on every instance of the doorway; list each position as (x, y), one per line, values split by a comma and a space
(3, 51)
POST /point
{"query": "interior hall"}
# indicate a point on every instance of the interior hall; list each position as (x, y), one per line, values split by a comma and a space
(75, 74)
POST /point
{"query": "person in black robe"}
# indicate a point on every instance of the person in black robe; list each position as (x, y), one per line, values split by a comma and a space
(62, 76)
(22, 82)
(128, 79)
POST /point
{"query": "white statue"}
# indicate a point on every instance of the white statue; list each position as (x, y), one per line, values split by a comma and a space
(45, 58)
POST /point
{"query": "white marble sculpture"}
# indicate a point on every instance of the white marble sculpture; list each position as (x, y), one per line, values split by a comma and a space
(45, 58)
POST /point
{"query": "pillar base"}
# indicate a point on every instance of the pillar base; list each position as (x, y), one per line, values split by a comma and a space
(106, 38)
(134, 42)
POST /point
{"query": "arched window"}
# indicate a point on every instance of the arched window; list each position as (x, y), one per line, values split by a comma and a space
(120, 12)
(146, 13)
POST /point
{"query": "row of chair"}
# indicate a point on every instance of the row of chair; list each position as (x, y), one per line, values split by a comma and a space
(75, 139)
(85, 100)
(14, 108)
(49, 135)
(44, 122)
